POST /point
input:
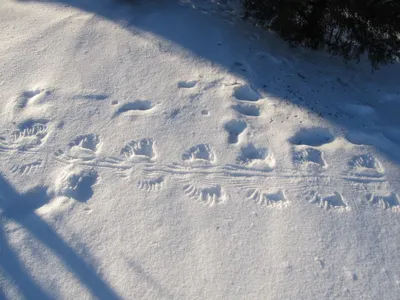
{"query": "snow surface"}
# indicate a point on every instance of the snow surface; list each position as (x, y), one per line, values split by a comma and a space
(168, 150)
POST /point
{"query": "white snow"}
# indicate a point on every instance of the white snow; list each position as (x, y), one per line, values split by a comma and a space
(168, 150)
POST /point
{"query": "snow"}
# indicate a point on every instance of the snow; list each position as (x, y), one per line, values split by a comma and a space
(167, 150)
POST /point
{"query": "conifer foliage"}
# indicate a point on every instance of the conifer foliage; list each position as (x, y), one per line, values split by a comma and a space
(348, 28)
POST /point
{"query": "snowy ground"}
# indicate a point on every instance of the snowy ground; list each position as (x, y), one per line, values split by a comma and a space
(166, 150)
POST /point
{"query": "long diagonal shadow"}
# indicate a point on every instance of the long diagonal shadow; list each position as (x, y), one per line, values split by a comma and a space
(17, 273)
(20, 208)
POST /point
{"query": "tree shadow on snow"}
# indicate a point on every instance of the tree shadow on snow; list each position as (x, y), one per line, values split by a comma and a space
(20, 208)
(309, 80)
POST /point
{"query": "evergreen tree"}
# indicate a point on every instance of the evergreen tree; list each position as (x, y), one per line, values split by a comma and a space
(348, 28)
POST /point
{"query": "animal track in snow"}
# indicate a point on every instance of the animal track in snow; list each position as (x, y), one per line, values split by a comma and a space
(30, 134)
(256, 157)
(199, 153)
(386, 202)
(273, 199)
(246, 93)
(4, 145)
(26, 169)
(29, 96)
(84, 145)
(234, 129)
(30, 128)
(247, 110)
(139, 105)
(150, 185)
(187, 84)
(76, 183)
(309, 156)
(367, 165)
(316, 136)
(142, 149)
(334, 201)
(213, 195)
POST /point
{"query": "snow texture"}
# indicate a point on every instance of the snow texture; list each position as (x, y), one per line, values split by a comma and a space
(170, 150)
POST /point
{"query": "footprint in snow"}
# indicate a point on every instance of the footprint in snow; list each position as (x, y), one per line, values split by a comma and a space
(308, 157)
(29, 134)
(261, 157)
(85, 145)
(199, 153)
(247, 110)
(140, 149)
(29, 96)
(211, 195)
(187, 84)
(315, 137)
(390, 201)
(234, 128)
(366, 165)
(246, 93)
(76, 183)
(272, 199)
(135, 106)
(26, 169)
(334, 202)
(151, 185)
